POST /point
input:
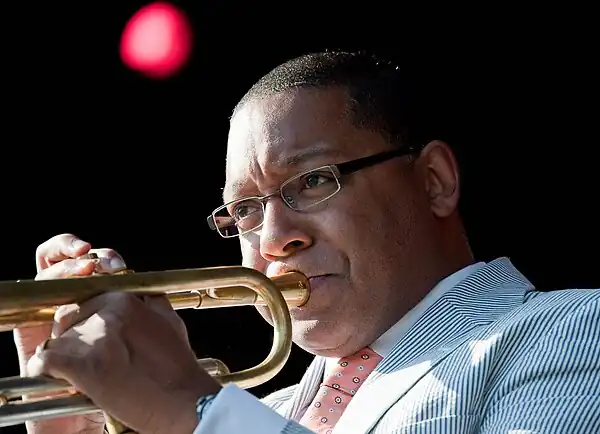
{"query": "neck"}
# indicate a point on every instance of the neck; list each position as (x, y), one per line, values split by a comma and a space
(448, 254)
(455, 246)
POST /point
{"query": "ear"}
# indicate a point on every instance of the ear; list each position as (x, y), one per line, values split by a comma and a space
(439, 168)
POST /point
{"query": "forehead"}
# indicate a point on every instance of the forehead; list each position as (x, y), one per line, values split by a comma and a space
(279, 135)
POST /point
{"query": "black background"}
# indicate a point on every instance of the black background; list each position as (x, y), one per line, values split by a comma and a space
(122, 161)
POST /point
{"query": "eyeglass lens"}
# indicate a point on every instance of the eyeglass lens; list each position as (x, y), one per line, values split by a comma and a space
(299, 193)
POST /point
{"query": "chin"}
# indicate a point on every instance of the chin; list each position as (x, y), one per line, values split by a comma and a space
(321, 337)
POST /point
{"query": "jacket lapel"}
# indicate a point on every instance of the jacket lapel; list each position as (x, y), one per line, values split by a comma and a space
(306, 389)
(482, 297)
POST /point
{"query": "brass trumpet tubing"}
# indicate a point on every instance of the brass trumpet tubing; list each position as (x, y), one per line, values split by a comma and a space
(282, 338)
(32, 295)
(46, 409)
(31, 318)
(28, 295)
(13, 388)
(31, 302)
(214, 367)
(268, 291)
(293, 287)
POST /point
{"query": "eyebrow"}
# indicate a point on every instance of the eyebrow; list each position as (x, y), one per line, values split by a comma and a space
(307, 155)
(301, 157)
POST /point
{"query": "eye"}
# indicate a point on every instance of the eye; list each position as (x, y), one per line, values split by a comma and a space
(244, 209)
(240, 211)
(313, 180)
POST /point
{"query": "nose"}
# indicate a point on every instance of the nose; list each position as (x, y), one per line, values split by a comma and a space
(282, 234)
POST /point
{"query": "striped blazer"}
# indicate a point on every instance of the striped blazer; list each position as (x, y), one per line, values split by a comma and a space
(492, 355)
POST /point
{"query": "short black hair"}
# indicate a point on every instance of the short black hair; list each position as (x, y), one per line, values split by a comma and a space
(380, 96)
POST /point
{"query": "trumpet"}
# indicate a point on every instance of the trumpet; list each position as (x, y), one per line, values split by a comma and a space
(27, 303)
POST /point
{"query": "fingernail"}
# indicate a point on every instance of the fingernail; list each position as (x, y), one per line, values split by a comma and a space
(77, 244)
(117, 263)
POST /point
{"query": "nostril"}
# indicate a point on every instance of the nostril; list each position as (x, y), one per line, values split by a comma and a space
(293, 246)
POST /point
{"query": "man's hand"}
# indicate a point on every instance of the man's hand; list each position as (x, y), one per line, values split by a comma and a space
(55, 259)
(131, 356)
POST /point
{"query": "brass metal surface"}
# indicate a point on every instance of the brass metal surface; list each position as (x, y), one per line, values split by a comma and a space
(29, 303)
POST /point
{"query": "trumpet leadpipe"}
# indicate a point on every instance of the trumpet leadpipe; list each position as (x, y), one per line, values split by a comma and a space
(29, 303)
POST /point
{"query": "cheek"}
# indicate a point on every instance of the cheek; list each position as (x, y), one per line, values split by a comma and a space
(251, 258)
(371, 233)
(352, 225)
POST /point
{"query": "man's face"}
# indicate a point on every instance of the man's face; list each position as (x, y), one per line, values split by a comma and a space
(360, 249)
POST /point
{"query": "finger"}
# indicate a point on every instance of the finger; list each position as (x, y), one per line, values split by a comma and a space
(55, 358)
(124, 306)
(68, 268)
(58, 248)
(35, 365)
(26, 340)
(71, 315)
(162, 306)
(110, 261)
(65, 317)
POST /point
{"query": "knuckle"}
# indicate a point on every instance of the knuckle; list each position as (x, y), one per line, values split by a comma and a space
(64, 239)
(58, 240)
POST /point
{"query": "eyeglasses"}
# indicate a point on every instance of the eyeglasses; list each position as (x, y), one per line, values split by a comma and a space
(300, 193)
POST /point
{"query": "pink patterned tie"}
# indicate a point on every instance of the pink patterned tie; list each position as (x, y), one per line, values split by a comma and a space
(336, 390)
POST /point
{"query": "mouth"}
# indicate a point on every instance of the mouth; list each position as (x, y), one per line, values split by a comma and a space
(322, 289)
(316, 282)
(318, 278)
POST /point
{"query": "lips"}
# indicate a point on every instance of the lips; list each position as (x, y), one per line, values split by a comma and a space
(315, 282)
(283, 270)
(314, 275)
(318, 277)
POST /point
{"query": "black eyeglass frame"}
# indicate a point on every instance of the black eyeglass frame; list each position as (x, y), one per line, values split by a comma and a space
(343, 169)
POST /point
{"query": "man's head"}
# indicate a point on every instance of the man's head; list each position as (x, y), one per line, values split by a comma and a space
(373, 238)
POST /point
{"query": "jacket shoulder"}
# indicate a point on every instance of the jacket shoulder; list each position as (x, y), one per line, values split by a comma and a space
(563, 302)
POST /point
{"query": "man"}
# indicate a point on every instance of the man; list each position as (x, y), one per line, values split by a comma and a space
(331, 172)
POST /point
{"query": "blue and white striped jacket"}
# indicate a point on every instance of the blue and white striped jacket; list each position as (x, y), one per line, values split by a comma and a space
(492, 355)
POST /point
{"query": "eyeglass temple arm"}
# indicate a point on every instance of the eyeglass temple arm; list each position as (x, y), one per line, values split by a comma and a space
(361, 163)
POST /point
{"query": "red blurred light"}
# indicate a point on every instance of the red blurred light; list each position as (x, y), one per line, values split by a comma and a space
(157, 40)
